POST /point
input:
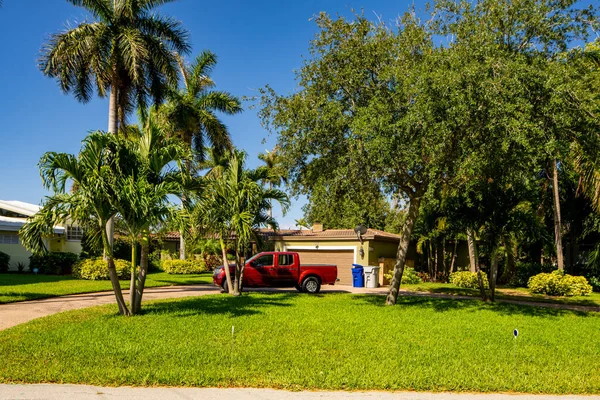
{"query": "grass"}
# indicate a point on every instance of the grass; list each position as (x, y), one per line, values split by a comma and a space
(519, 294)
(294, 341)
(20, 287)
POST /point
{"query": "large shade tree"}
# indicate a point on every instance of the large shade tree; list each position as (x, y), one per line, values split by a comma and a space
(414, 106)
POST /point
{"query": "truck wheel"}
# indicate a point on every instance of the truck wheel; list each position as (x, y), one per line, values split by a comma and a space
(225, 286)
(311, 285)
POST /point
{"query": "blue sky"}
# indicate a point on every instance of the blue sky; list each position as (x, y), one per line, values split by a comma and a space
(258, 42)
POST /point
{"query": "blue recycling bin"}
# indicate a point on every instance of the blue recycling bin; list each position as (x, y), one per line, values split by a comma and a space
(358, 279)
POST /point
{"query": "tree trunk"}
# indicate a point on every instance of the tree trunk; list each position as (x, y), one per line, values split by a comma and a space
(473, 257)
(511, 264)
(407, 229)
(132, 292)
(430, 261)
(182, 253)
(270, 202)
(453, 256)
(238, 273)
(482, 290)
(114, 278)
(226, 266)
(143, 271)
(113, 127)
(557, 219)
(493, 272)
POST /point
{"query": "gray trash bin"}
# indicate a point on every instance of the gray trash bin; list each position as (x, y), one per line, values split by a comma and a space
(371, 276)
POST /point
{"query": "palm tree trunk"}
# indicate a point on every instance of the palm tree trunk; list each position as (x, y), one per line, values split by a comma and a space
(113, 127)
(226, 265)
(132, 292)
(473, 257)
(453, 256)
(270, 203)
(114, 278)
(493, 272)
(182, 253)
(143, 271)
(511, 264)
(557, 219)
(413, 213)
(238, 272)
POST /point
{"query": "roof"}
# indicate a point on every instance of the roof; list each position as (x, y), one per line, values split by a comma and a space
(332, 234)
(20, 207)
(308, 234)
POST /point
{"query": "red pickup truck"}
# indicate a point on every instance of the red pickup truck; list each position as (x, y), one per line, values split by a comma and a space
(281, 269)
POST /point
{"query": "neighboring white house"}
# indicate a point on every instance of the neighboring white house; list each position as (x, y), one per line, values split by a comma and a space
(14, 214)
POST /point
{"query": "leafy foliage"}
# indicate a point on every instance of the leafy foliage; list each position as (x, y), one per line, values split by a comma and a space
(127, 49)
(95, 269)
(55, 263)
(557, 283)
(467, 279)
(4, 261)
(183, 266)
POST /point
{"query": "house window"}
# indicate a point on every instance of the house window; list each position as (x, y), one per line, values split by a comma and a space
(9, 239)
(74, 233)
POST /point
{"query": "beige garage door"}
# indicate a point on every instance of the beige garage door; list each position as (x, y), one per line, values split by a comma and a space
(342, 258)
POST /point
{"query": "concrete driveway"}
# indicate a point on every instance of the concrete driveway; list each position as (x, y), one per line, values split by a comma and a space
(83, 392)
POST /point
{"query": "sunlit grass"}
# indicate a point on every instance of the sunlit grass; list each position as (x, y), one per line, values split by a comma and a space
(20, 287)
(295, 341)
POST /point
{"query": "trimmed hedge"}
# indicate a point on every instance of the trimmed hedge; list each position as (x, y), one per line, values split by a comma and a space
(468, 279)
(96, 269)
(4, 262)
(184, 266)
(57, 263)
(557, 283)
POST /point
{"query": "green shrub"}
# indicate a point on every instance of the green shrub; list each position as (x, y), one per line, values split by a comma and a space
(4, 261)
(183, 266)
(557, 283)
(468, 279)
(595, 282)
(526, 270)
(410, 277)
(53, 263)
(96, 269)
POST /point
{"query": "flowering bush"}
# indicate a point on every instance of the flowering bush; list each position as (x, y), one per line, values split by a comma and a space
(557, 283)
(467, 279)
(95, 269)
(184, 266)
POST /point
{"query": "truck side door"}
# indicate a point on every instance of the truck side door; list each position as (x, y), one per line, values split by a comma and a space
(287, 270)
(261, 271)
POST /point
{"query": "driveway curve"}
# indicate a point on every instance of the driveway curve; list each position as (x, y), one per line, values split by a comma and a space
(12, 314)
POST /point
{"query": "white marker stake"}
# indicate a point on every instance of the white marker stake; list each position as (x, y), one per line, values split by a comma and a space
(515, 335)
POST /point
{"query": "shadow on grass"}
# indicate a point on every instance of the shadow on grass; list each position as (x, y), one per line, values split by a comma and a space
(445, 305)
(12, 279)
(220, 304)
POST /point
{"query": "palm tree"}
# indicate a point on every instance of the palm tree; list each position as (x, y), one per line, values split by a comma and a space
(127, 50)
(141, 199)
(92, 172)
(236, 206)
(191, 113)
(277, 171)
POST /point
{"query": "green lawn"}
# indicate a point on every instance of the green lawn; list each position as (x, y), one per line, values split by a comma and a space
(19, 287)
(295, 341)
(504, 293)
